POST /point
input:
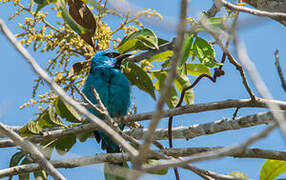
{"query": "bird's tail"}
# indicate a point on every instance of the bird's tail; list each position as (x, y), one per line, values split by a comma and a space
(111, 170)
(106, 142)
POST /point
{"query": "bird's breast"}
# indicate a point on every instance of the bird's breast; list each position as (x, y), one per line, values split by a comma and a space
(113, 88)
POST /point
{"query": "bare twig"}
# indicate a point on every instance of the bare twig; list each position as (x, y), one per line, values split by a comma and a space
(143, 151)
(254, 11)
(235, 113)
(103, 126)
(279, 70)
(95, 107)
(30, 148)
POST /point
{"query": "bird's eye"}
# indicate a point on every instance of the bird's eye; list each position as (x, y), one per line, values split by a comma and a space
(112, 54)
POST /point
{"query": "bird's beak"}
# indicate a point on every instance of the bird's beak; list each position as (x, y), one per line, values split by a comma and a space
(120, 58)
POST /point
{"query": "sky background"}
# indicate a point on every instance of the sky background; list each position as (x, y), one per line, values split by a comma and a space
(262, 36)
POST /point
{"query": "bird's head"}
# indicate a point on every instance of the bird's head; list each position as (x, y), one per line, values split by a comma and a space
(107, 59)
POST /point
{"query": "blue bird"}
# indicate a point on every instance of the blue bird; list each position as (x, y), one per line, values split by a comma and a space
(113, 88)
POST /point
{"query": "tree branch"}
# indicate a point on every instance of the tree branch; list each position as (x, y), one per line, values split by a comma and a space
(256, 12)
(122, 157)
(30, 148)
(279, 70)
(195, 108)
(161, 134)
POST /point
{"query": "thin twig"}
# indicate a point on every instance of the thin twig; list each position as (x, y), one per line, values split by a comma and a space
(102, 125)
(30, 148)
(254, 11)
(279, 70)
(235, 113)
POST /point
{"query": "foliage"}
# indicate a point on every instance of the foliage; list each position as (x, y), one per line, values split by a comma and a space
(271, 169)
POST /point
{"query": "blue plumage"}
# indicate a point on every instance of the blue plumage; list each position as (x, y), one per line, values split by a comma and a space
(113, 88)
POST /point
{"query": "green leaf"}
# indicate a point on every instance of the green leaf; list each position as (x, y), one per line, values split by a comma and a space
(153, 162)
(271, 169)
(44, 120)
(173, 99)
(33, 127)
(187, 44)
(24, 132)
(25, 176)
(53, 117)
(40, 175)
(143, 39)
(101, 10)
(15, 159)
(42, 4)
(112, 172)
(161, 56)
(205, 52)
(64, 110)
(238, 174)
(197, 69)
(162, 41)
(64, 144)
(216, 22)
(82, 137)
(68, 19)
(47, 147)
(181, 82)
(139, 77)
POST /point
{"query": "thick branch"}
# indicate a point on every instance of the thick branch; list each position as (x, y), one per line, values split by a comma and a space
(195, 108)
(160, 134)
(121, 157)
(207, 128)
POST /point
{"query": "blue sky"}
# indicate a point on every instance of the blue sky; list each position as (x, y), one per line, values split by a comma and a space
(261, 40)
